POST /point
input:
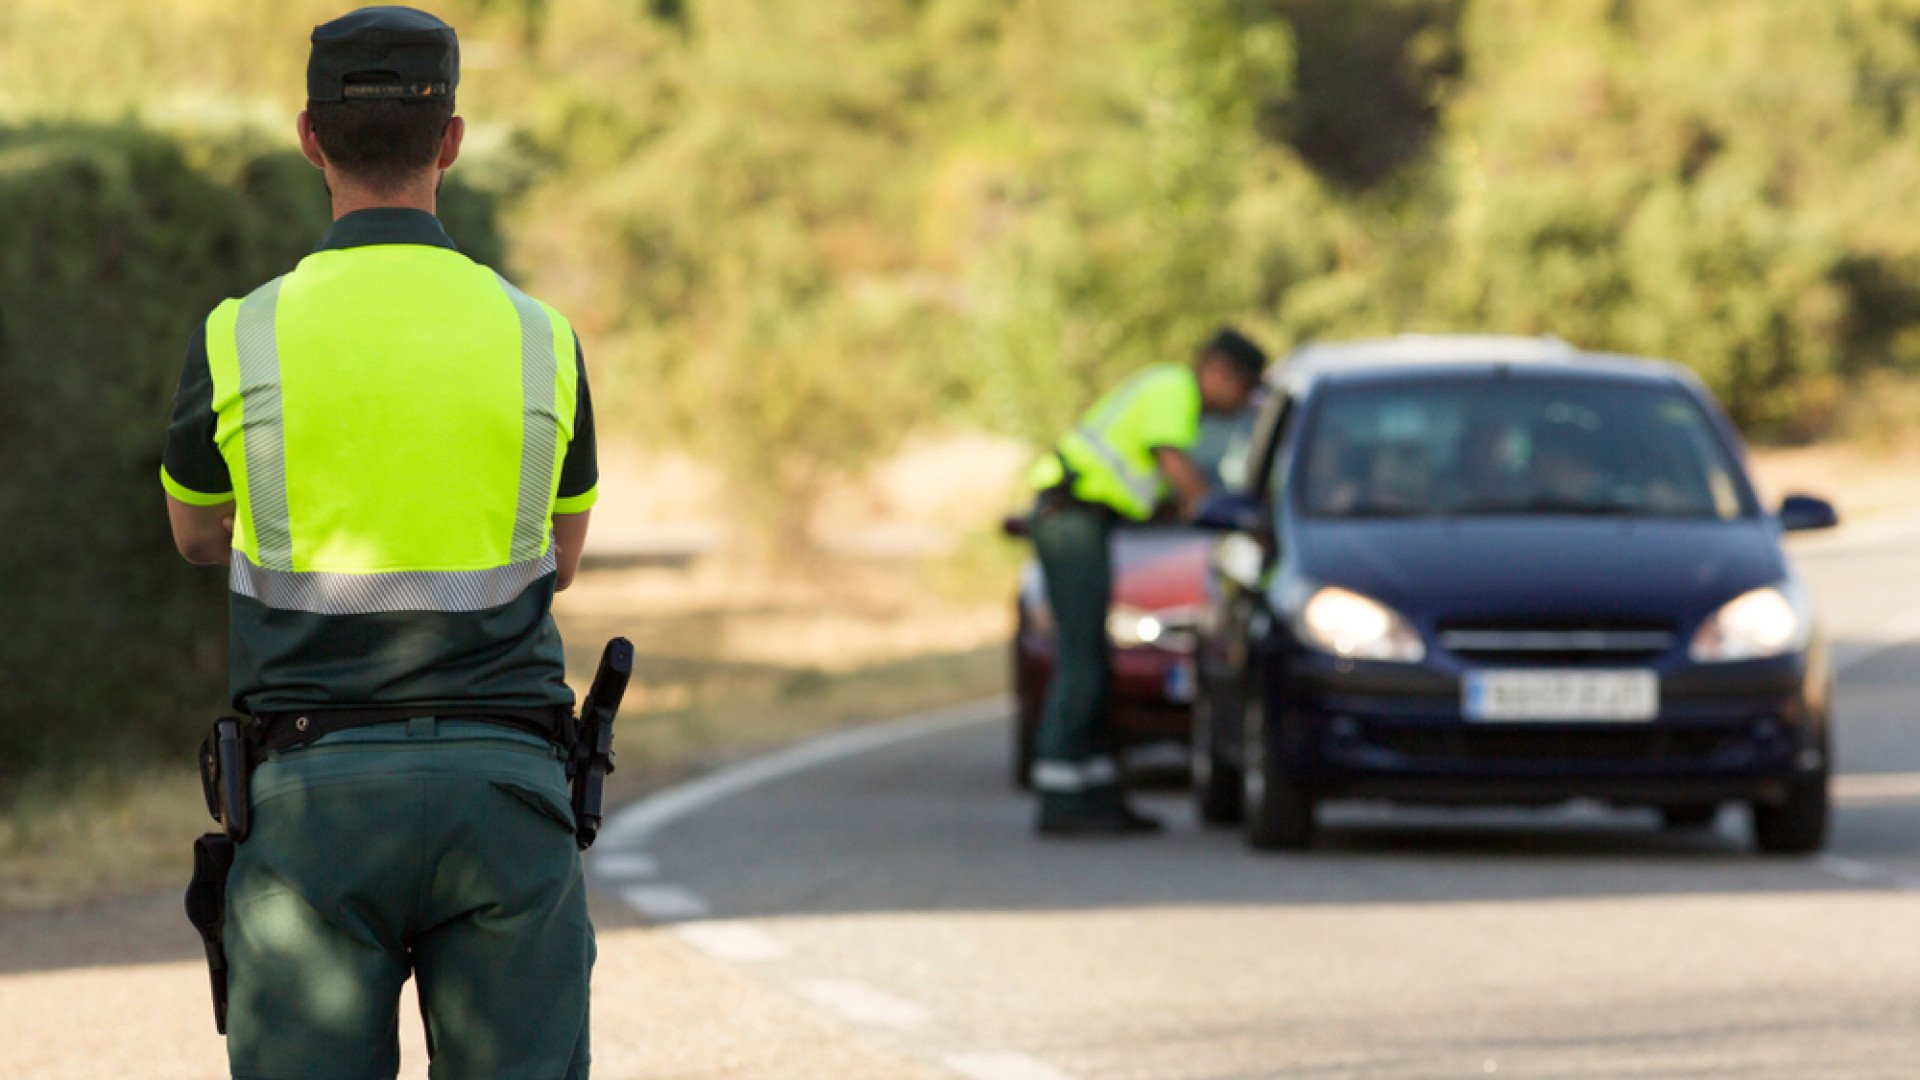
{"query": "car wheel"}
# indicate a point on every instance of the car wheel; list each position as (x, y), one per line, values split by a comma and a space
(1681, 817)
(1796, 825)
(1216, 784)
(1024, 736)
(1279, 815)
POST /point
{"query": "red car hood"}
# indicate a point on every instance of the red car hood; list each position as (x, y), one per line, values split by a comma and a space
(1160, 570)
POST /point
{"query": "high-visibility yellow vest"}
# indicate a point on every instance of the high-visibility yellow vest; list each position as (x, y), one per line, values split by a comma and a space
(1109, 455)
(393, 417)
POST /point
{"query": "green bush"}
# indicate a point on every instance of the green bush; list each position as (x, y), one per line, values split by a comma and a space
(114, 241)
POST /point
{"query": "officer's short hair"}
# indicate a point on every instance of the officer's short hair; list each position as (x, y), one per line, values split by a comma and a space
(1248, 360)
(382, 144)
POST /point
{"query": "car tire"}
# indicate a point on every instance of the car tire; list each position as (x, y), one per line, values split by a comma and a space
(1684, 817)
(1024, 737)
(1280, 816)
(1216, 783)
(1797, 825)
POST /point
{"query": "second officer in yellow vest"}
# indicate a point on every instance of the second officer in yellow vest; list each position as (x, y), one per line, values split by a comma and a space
(1128, 452)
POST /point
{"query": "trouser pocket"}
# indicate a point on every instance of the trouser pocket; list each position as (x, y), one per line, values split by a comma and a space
(552, 804)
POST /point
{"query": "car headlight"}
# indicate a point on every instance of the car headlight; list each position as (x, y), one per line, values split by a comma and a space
(1130, 628)
(1766, 622)
(1346, 624)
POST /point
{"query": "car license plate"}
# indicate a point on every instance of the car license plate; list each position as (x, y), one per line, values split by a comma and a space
(1561, 695)
(1180, 683)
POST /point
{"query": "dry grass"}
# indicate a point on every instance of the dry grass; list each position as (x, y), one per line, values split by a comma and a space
(731, 660)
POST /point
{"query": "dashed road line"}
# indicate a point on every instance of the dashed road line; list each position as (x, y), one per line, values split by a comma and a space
(624, 866)
(863, 1004)
(665, 903)
(1877, 787)
(737, 943)
(1003, 1067)
(1859, 872)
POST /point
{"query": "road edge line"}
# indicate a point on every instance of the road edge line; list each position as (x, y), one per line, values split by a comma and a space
(633, 826)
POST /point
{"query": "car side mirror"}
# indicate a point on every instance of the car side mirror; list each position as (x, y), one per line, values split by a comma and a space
(1804, 513)
(1227, 512)
(1242, 560)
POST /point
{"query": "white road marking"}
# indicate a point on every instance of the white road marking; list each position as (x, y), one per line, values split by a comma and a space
(624, 866)
(633, 827)
(1877, 787)
(664, 903)
(1866, 873)
(863, 1004)
(732, 942)
(1003, 1067)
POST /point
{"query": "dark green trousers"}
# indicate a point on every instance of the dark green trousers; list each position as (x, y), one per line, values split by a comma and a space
(1074, 756)
(442, 851)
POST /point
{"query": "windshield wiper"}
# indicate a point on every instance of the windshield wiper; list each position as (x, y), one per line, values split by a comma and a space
(1547, 505)
(1359, 513)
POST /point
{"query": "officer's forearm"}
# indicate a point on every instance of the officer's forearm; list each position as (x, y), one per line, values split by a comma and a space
(569, 542)
(1189, 484)
(203, 534)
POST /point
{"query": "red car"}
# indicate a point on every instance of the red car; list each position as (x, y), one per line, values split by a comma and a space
(1159, 591)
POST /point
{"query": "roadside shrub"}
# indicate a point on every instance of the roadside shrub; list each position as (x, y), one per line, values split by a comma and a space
(114, 241)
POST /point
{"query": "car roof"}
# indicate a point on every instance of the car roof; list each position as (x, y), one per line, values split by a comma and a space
(1457, 354)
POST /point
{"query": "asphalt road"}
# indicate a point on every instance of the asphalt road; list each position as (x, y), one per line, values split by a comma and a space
(889, 882)
(874, 907)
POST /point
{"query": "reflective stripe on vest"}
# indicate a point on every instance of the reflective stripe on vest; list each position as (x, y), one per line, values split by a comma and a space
(1144, 489)
(539, 437)
(326, 593)
(272, 579)
(263, 434)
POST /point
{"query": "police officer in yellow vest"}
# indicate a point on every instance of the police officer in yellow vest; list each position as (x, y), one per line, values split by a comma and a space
(1116, 464)
(392, 447)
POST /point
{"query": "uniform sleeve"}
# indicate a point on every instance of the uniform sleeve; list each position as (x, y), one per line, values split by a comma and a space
(191, 467)
(1168, 417)
(580, 470)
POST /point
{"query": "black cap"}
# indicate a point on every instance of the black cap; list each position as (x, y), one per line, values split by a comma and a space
(386, 53)
(1239, 350)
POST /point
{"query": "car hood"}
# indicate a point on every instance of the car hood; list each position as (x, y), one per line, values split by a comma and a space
(1159, 569)
(1603, 568)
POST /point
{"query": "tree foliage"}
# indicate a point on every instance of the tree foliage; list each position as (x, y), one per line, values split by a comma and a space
(793, 233)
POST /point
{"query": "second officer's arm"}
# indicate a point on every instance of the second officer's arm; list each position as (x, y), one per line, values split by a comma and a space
(1190, 486)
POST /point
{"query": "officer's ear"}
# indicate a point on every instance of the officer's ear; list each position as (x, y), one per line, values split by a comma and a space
(450, 142)
(309, 144)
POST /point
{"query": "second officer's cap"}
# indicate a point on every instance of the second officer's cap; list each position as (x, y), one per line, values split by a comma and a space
(386, 53)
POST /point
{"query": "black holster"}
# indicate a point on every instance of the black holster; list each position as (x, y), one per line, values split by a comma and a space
(207, 911)
(226, 765)
(591, 756)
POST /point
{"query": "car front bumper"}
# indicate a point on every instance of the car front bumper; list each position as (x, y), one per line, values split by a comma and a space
(1735, 731)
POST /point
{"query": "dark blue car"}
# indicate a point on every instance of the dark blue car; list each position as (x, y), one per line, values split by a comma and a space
(1496, 570)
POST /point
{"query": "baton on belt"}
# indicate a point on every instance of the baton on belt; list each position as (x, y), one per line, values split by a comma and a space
(592, 757)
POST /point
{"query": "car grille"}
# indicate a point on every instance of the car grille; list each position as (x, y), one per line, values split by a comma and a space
(1524, 644)
(1619, 744)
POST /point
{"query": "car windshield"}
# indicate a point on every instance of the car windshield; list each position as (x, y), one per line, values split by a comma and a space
(1515, 446)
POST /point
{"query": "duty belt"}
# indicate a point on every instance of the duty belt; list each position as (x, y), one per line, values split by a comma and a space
(268, 732)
